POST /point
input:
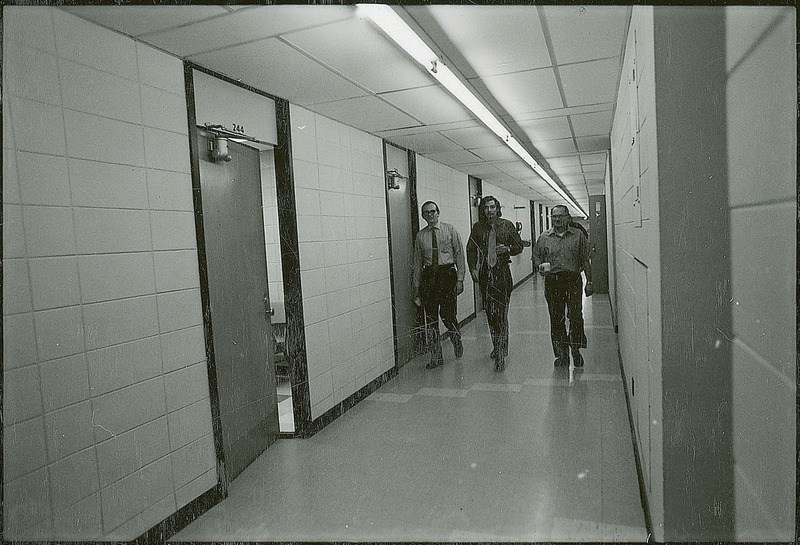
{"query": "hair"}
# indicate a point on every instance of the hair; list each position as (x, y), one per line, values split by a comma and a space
(482, 207)
(427, 203)
(564, 206)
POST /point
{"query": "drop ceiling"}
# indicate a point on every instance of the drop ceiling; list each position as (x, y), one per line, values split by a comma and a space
(550, 73)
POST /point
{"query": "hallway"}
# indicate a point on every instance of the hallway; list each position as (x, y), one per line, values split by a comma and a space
(459, 453)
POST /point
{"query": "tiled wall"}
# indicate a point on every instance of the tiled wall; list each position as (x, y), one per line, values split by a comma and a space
(107, 425)
(520, 264)
(449, 189)
(762, 156)
(760, 143)
(344, 256)
(636, 249)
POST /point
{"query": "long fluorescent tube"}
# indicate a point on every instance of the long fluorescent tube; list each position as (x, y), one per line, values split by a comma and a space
(399, 31)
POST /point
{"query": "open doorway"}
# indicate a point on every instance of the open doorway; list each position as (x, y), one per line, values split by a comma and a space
(269, 202)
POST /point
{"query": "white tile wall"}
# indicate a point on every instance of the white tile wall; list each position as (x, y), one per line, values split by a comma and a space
(763, 216)
(103, 337)
(344, 255)
(763, 366)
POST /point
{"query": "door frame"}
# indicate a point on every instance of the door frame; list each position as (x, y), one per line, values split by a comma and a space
(475, 191)
(412, 211)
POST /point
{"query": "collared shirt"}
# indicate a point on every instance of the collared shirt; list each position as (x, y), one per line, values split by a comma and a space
(451, 250)
(565, 252)
(478, 244)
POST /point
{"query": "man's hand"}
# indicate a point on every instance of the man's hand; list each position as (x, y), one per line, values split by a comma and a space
(459, 287)
(474, 274)
(418, 301)
(541, 269)
(589, 289)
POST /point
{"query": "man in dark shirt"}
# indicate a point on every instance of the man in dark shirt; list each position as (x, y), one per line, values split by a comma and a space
(438, 279)
(560, 254)
(491, 244)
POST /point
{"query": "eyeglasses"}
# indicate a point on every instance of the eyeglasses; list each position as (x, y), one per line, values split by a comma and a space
(428, 212)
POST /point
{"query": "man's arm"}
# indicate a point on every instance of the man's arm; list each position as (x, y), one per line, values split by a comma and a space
(458, 254)
(515, 245)
(472, 252)
(416, 267)
(586, 264)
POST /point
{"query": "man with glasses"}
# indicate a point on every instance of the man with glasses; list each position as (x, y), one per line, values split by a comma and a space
(438, 279)
(560, 254)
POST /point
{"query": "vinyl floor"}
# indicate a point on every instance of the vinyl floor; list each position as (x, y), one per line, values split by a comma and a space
(460, 453)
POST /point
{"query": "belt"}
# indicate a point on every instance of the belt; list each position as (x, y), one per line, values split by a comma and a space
(562, 275)
(437, 267)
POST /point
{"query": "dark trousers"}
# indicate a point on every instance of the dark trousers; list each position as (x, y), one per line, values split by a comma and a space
(563, 291)
(496, 287)
(437, 289)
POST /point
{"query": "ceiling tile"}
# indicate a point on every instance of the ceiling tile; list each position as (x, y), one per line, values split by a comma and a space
(405, 131)
(593, 143)
(593, 124)
(138, 20)
(472, 137)
(431, 104)
(571, 160)
(274, 67)
(548, 128)
(359, 50)
(590, 82)
(523, 92)
(495, 153)
(593, 158)
(246, 25)
(484, 170)
(601, 30)
(572, 179)
(554, 148)
(367, 113)
(425, 142)
(461, 157)
(573, 110)
(594, 167)
(514, 167)
(570, 169)
(492, 39)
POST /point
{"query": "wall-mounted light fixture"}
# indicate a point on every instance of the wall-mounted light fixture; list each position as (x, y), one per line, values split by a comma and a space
(218, 146)
(220, 137)
(399, 31)
(393, 179)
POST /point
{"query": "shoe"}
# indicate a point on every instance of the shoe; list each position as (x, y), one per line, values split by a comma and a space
(577, 358)
(562, 360)
(500, 364)
(434, 363)
(458, 347)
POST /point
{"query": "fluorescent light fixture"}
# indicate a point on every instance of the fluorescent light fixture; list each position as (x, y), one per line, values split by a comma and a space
(399, 31)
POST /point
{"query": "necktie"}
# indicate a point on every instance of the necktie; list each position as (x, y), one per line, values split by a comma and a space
(435, 248)
(492, 247)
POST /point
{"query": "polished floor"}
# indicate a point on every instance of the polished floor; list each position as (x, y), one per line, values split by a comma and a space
(459, 453)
